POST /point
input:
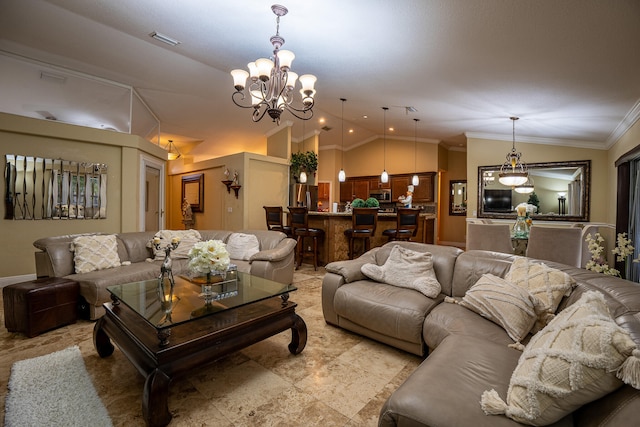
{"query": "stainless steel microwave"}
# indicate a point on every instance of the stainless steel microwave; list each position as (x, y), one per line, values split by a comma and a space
(382, 195)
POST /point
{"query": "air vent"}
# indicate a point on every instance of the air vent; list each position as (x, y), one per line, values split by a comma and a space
(326, 128)
(52, 78)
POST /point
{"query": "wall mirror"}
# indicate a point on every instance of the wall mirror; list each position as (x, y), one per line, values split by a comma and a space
(561, 192)
(39, 188)
(458, 197)
(193, 191)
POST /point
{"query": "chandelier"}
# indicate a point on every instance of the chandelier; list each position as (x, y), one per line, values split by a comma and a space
(513, 172)
(525, 188)
(272, 83)
(384, 176)
(172, 150)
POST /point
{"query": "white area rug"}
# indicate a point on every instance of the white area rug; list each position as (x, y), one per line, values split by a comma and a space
(53, 390)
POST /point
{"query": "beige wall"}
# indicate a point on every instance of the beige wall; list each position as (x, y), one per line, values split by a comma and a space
(452, 229)
(121, 153)
(484, 152)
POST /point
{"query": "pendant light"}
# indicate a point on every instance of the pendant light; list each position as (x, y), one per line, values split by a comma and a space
(342, 176)
(416, 179)
(384, 177)
(303, 174)
(513, 172)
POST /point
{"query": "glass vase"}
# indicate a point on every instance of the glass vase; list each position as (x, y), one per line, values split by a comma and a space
(520, 229)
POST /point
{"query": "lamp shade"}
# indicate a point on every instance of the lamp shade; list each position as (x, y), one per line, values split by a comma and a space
(291, 79)
(415, 180)
(286, 58)
(307, 81)
(513, 178)
(303, 177)
(384, 178)
(239, 78)
(264, 66)
(342, 176)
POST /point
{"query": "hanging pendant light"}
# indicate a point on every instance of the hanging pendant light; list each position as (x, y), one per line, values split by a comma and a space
(384, 177)
(513, 172)
(172, 150)
(525, 188)
(416, 179)
(303, 174)
(342, 176)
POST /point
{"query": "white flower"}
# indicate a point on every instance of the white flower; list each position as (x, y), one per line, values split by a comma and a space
(212, 255)
(597, 263)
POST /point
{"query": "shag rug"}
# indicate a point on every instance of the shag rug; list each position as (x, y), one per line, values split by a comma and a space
(53, 390)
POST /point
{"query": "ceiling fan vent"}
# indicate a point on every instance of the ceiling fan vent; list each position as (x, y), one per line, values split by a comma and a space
(326, 128)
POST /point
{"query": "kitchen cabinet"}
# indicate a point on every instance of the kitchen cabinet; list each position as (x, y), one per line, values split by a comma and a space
(424, 191)
(324, 190)
(346, 191)
(361, 189)
(399, 186)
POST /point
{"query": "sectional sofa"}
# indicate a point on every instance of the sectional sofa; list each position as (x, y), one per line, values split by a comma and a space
(136, 260)
(473, 369)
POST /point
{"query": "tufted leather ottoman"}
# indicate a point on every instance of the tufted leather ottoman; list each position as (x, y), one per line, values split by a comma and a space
(40, 305)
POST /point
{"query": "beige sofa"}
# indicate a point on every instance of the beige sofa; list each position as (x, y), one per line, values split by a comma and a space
(467, 354)
(274, 261)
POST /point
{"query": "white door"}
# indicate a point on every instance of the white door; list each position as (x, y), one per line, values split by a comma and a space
(152, 199)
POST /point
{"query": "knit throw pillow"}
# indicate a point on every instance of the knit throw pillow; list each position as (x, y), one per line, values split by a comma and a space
(242, 246)
(505, 304)
(92, 253)
(580, 356)
(548, 284)
(406, 268)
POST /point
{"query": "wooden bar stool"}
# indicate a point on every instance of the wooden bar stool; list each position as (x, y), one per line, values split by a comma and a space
(406, 225)
(274, 220)
(300, 229)
(363, 222)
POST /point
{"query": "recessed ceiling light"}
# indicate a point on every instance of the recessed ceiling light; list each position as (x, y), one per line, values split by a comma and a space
(350, 130)
(365, 117)
(164, 39)
(391, 129)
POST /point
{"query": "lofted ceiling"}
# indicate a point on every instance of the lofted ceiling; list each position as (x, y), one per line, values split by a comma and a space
(570, 69)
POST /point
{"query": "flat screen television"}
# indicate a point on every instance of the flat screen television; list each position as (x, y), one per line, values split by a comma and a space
(497, 200)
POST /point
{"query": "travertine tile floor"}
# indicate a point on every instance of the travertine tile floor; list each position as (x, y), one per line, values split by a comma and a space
(340, 379)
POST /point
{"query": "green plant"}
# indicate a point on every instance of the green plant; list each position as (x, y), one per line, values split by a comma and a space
(533, 200)
(371, 203)
(307, 161)
(358, 203)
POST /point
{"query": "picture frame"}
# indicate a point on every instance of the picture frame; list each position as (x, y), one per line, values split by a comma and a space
(193, 191)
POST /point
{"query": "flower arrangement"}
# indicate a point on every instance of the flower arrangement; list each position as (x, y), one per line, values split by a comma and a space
(598, 263)
(212, 255)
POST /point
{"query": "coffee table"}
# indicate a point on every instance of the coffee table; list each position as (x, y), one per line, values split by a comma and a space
(166, 331)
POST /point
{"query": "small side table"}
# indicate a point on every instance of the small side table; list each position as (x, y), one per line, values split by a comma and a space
(40, 305)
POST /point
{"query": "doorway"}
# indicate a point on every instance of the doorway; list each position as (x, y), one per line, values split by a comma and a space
(152, 184)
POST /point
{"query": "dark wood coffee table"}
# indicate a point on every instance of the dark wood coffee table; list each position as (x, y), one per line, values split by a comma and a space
(166, 332)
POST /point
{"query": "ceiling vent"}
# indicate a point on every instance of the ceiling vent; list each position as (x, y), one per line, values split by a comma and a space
(52, 78)
(326, 128)
(164, 39)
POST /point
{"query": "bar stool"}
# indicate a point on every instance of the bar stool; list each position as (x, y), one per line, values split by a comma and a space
(364, 222)
(406, 225)
(274, 220)
(300, 229)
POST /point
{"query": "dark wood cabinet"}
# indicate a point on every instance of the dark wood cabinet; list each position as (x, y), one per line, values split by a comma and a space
(399, 185)
(361, 189)
(424, 191)
(346, 191)
(324, 190)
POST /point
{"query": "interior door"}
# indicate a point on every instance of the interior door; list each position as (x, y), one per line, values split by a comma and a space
(152, 199)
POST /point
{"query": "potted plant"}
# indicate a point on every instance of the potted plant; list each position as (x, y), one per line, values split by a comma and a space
(307, 162)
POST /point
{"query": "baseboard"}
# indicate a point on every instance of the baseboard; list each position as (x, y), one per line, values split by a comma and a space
(6, 281)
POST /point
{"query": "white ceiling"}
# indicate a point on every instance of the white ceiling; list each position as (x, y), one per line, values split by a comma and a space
(570, 69)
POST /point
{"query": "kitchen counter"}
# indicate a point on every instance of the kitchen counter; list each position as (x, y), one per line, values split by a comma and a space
(335, 246)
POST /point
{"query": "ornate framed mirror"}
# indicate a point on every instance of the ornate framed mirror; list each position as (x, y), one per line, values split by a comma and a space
(561, 192)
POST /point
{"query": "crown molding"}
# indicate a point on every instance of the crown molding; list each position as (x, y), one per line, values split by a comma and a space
(536, 140)
(629, 120)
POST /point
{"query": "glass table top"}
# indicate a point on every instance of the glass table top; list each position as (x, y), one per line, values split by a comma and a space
(163, 307)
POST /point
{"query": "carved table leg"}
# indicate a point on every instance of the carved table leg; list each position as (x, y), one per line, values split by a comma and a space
(101, 341)
(298, 335)
(155, 408)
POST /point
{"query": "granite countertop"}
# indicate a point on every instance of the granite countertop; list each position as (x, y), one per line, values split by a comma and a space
(380, 214)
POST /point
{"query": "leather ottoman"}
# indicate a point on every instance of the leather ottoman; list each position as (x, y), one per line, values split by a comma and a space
(40, 305)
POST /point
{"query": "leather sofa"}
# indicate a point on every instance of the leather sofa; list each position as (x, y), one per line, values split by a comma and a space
(467, 354)
(274, 261)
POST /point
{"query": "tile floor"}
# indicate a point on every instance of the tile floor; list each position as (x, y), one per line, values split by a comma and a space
(340, 379)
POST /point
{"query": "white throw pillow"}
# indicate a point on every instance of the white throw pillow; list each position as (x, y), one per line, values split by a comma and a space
(505, 304)
(580, 356)
(242, 246)
(95, 253)
(406, 268)
(188, 238)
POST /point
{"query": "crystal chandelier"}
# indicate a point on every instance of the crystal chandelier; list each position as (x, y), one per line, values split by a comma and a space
(384, 177)
(272, 83)
(513, 172)
(342, 176)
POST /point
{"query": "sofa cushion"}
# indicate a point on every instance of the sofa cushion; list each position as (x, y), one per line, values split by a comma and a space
(408, 269)
(187, 239)
(508, 305)
(242, 246)
(546, 283)
(95, 253)
(388, 310)
(575, 359)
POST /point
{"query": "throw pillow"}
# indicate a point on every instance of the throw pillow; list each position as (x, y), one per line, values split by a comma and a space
(242, 246)
(547, 284)
(408, 269)
(580, 356)
(188, 238)
(92, 253)
(505, 304)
